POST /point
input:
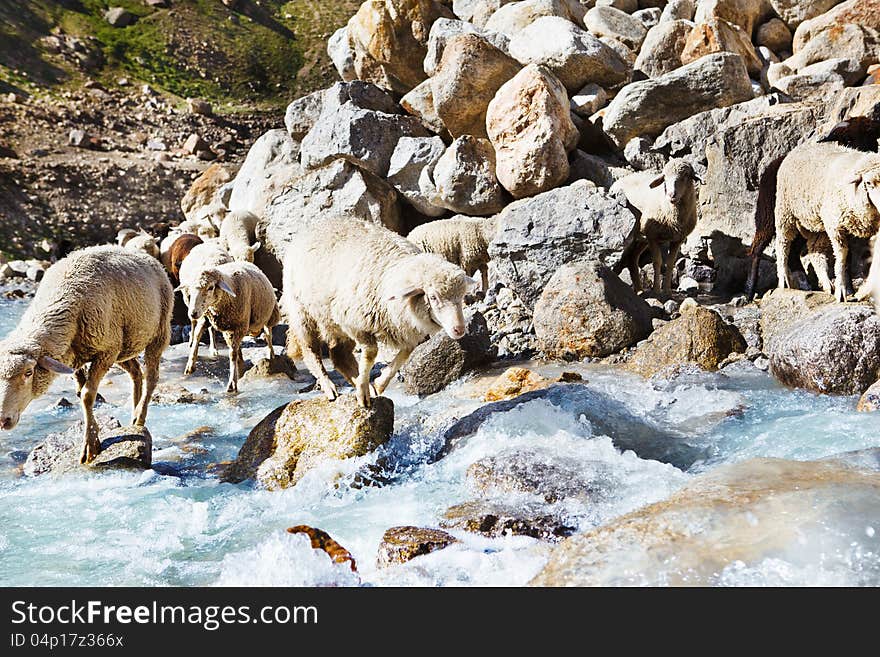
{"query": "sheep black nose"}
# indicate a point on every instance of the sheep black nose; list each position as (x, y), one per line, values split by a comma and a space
(6, 423)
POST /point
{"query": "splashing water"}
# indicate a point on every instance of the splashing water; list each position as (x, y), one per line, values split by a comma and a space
(634, 441)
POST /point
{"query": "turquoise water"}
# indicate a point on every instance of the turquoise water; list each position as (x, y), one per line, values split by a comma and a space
(186, 528)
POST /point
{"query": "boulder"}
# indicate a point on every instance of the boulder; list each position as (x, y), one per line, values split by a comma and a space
(819, 88)
(730, 526)
(870, 399)
(302, 434)
(646, 108)
(536, 236)
(616, 24)
(548, 476)
(721, 36)
(402, 544)
(663, 46)
(302, 114)
(678, 10)
(589, 100)
(511, 18)
(121, 448)
(464, 178)
(364, 136)
(412, 164)
(529, 124)
(864, 13)
(496, 519)
(575, 56)
(440, 360)
(119, 17)
(420, 103)
(338, 189)
(271, 164)
(781, 308)
(593, 168)
(513, 382)
(199, 106)
(202, 195)
(857, 44)
(627, 6)
(699, 337)
(341, 53)
(444, 29)
(172, 394)
(795, 12)
(775, 35)
(477, 11)
(861, 101)
(470, 73)
(745, 13)
(585, 310)
(834, 350)
(389, 41)
(281, 366)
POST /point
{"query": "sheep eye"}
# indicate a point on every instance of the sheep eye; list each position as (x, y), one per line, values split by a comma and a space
(28, 374)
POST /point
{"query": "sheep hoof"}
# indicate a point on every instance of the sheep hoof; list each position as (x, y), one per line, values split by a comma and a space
(232, 388)
(363, 400)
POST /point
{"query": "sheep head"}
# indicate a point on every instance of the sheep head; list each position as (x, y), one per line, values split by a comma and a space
(25, 374)
(145, 243)
(207, 292)
(432, 292)
(243, 252)
(869, 181)
(677, 179)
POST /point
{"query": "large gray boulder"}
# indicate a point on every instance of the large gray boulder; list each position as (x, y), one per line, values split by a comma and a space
(726, 526)
(661, 51)
(410, 171)
(835, 350)
(513, 17)
(575, 56)
(795, 12)
(338, 189)
(616, 24)
(271, 164)
(301, 435)
(420, 103)
(859, 45)
(646, 108)
(440, 360)
(340, 50)
(444, 29)
(477, 11)
(470, 72)
(536, 236)
(302, 114)
(464, 178)
(585, 310)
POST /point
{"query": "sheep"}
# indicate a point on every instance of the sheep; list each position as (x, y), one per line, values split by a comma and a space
(667, 205)
(145, 243)
(463, 241)
(238, 300)
(840, 198)
(99, 306)
(350, 283)
(859, 132)
(124, 235)
(237, 235)
(202, 256)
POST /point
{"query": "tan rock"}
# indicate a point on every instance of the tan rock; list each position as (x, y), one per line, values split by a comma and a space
(470, 73)
(202, 193)
(662, 48)
(420, 103)
(745, 13)
(870, 399)
(529, 124)
(774, 34)
(865, 13)
(402, 544)
(513, 382)
(721, 36)
(389, 41)
(513, 17)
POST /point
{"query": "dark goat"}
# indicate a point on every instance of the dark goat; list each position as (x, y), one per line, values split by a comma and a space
(180, 248)
(859, 132)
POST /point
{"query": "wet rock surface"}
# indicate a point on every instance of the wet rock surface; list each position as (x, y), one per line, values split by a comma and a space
(402, 544)
(497, 519)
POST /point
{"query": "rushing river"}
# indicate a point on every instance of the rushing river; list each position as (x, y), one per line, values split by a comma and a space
(187, 528)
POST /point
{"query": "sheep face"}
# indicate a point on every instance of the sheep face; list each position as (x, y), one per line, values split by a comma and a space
(23, 378)
(206, 293)
(677, 179)
(243, 252)
(145, 243)
(870, 182)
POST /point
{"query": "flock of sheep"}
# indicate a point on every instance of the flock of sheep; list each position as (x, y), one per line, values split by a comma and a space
(350, 285)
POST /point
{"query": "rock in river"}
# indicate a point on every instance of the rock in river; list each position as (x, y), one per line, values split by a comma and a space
(401, 544)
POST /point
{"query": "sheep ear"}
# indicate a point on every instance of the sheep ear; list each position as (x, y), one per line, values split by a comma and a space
(179, 288)
(406, 293)
(52, 365)
(254, 247)
(856, 181)
(224, 285)
(656, 182)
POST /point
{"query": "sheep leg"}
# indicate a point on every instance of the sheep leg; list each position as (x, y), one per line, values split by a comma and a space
(390, 371)
(671, 257)
(91, 443)
(484, 275)
(818, 256)
(632, 264)
(841, 251)
(212, 348)
(657, 260)
(342, 357)
(196, 337)
(783, 247)
(233, 341)
(305, 336)
(133, 367)
(267, 334)
(152, 358)
(362, 389)
(80, 376)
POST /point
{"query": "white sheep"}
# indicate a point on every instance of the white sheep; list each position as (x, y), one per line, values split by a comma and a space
(238, 300)
(667, 205)
(97, 307)
(145, 243)
(237, 235)
(349, 283)
(463, 241)
(206, 255)
(826, 187)
(124, 235)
